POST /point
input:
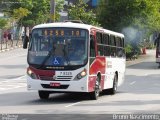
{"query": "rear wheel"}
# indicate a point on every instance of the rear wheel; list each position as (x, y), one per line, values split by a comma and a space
(159, 65)
(113, 90)
(43, 94)
(95, 94)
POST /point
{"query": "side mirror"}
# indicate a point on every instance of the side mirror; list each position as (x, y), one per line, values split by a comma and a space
(25, 42)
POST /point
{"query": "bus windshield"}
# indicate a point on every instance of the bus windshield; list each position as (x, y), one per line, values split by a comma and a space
(58, 47)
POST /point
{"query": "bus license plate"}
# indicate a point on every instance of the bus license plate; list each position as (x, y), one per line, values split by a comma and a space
(65, 73)
(55, 84)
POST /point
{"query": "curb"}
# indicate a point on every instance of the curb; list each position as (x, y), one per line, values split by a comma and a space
(140, 59)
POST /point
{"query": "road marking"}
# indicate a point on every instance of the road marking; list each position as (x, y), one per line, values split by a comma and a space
(19, 78)
(145, 74)
(9, 84)
(132, 82)
(73, 104)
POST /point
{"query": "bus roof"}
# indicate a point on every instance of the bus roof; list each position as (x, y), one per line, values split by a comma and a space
(76, 25)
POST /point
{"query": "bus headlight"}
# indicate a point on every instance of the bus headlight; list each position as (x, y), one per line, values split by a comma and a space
(31, 74)
(81, 74)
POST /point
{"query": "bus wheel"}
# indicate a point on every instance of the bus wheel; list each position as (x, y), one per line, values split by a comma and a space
(43, 94)
(95, 94)
(113, 90)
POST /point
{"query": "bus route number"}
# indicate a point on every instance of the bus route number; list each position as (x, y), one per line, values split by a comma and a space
(65, 73)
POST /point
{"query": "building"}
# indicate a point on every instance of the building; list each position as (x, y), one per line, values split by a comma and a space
(91, 3)
(64, 14)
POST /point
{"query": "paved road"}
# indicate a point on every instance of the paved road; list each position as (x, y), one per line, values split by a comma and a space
(139, 93)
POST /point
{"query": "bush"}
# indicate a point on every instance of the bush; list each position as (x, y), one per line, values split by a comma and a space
(132, 52)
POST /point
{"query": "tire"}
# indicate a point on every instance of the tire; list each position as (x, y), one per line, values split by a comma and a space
(43, 94)
(159, 65)
(95, 94)
(113, 90)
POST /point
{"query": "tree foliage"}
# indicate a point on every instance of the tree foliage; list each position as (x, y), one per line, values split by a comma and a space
(32, 12)
(117, 14)
(79, 12)
(20, 13)
(3, 23)
(136, 19)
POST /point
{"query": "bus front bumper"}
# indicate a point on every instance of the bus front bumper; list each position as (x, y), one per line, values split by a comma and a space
(58, 86)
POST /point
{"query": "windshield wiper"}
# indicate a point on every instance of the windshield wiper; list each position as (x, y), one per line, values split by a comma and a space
(45, 60)
(66, 55)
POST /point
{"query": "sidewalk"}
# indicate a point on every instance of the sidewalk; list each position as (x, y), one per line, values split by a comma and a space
(150, 54)
(9, 46)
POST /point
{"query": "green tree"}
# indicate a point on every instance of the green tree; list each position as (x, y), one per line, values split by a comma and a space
(137, 19)
(79, 11)
(3, 23)
(115, 14)
(20, 13)
(38, 11)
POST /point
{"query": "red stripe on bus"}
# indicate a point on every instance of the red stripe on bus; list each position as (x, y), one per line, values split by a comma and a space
(98, 65)
(42, 72)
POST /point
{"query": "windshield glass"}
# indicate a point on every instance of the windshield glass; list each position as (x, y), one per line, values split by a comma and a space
(58, 47)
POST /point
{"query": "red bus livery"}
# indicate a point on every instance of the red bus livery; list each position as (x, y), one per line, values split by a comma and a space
(74, 57)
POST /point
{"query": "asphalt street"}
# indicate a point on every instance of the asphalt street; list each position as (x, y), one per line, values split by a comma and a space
(139, 93)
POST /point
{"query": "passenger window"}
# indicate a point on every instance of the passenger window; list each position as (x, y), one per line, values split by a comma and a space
(118, 42)
(105, 39)
(112, 40)
(92, 46)
(100, 50)
(107, 51)
(113, 51)
(99, 37)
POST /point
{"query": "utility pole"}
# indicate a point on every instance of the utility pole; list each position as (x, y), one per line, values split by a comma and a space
(52, 10)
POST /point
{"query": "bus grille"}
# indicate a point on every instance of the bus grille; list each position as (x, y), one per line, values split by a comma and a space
(64, 78)
(58, 78)
(47, 78)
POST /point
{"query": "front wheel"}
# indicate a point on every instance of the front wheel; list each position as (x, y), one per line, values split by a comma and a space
(95, 94)
(43, 94)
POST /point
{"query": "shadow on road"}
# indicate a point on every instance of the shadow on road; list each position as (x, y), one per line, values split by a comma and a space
(144, 65)
(31, 98)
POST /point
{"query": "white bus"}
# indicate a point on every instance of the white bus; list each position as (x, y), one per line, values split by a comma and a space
(74, 57)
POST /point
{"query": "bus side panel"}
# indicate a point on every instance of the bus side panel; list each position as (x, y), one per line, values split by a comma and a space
(109, 75)
(97, 66)
(114, 65)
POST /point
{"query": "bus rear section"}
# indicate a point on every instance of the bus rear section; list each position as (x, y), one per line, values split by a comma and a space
(157, 44)
(158, 55)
